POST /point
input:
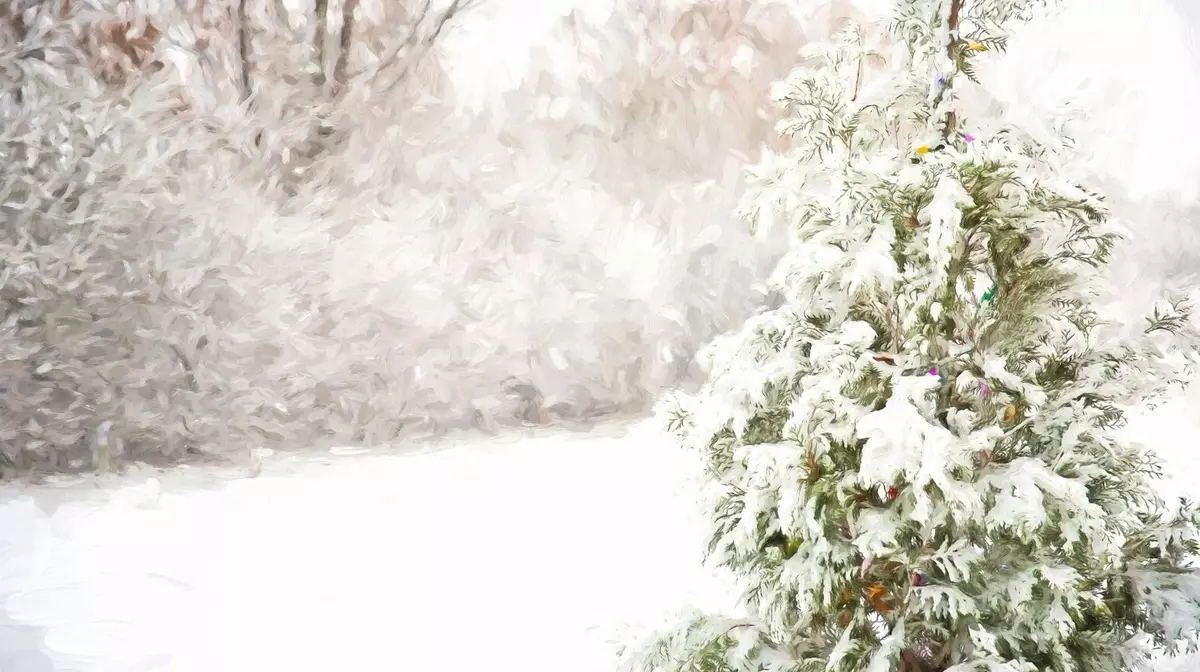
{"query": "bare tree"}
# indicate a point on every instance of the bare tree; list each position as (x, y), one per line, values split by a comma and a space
(377, 80)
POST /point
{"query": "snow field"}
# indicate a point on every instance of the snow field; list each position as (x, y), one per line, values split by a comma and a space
(524, 556)
(535, 553)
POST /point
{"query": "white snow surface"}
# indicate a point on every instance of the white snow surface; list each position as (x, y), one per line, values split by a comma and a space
(524, 554)
(528, 552)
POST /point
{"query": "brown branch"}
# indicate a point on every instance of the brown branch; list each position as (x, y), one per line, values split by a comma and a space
(952, 52)
(955, 10)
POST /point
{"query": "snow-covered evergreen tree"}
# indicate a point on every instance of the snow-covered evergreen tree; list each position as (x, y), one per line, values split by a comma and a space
(915, 460)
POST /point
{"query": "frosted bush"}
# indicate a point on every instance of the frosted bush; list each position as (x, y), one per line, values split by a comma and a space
(188, 268)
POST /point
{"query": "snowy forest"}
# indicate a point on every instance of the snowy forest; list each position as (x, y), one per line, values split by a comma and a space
(404, 327)
(557, 215)
(557, 229)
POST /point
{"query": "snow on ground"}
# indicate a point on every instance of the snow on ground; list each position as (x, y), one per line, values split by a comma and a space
(527, 554)
(473, 556)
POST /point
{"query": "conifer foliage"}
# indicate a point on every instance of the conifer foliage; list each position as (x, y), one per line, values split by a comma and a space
(914, 460)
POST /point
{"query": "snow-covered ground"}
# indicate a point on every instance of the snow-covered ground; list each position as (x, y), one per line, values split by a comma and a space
(531, 552)
(504, 554)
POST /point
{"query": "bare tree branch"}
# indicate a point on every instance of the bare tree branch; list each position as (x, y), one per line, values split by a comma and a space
(346, 37)
(423, 31)
(402, 55)
(405, 44)
(322, 11)
(284, 17)
(243, 33)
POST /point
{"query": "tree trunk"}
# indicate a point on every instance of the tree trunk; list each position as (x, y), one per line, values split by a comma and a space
(344, 41)
(322, 12)
(951, 51)
(243, 35)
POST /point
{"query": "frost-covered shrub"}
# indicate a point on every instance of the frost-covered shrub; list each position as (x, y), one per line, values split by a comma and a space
(206, 247)
(82, 168)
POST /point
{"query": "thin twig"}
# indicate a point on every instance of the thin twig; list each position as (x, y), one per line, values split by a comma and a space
(413, 39)
(857, 79)
(409, 40)
(189, 372)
